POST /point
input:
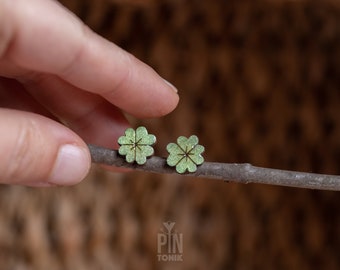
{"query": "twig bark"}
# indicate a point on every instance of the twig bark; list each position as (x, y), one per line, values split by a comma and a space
(240, 173)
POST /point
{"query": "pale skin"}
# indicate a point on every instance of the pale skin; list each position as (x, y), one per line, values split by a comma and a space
(62, 86)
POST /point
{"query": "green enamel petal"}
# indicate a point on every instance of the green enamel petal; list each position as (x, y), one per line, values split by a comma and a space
(181, 167)
(197, 150)
(130, 157)
(140, 133)
(174, 159)
(142, 152)
(149, 139)
(186, 165)
(124, 149)
(129, 137)
(122, 140)
(197, 159)
(173, 148)
(130, 133)
(187, 143)
(191, 166)
(192, 141)
(195, 154)
(175, 154)
(147, 150)
(140, 157)
(182, 141)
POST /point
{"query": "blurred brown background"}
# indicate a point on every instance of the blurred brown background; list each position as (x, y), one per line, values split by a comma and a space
(259, 82)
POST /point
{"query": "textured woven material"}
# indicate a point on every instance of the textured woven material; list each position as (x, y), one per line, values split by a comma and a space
(259, 82)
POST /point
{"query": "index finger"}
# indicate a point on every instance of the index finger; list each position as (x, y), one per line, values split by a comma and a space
(43, 36)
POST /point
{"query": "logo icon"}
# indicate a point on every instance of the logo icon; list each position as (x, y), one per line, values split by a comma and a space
(169, 244)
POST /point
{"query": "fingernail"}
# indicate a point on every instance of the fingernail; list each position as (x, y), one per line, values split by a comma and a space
(171, 86)
(71, 166)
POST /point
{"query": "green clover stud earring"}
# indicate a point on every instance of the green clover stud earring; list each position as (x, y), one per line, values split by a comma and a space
(136, 145)
(186, 154)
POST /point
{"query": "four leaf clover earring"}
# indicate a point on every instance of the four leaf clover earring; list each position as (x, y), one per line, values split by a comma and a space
(136, 145)
(186, 154)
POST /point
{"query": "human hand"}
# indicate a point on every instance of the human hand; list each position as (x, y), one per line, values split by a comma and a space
(54, 69)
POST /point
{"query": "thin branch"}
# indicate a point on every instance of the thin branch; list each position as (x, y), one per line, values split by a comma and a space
(240, 173)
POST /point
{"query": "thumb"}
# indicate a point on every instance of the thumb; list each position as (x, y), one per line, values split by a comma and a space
(37, 151)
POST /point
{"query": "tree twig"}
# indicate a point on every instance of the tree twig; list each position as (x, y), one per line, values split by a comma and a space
(240, 173)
